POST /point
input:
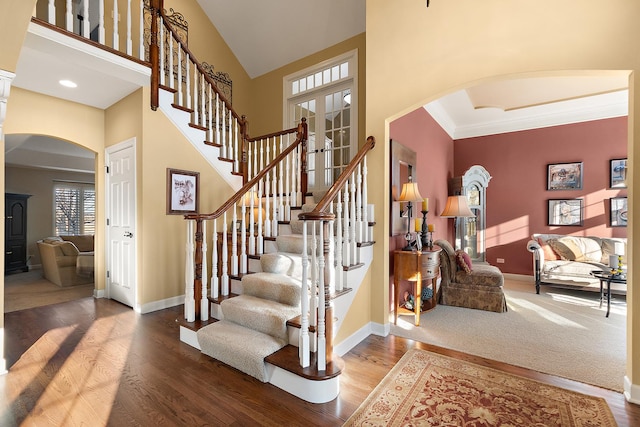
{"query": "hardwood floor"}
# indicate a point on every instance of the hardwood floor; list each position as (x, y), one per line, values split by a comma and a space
(97, 362)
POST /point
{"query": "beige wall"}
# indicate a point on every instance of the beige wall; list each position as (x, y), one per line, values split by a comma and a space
(208, 46)
(416, 54)
(14, 20)
(39, 184)
(266, 110)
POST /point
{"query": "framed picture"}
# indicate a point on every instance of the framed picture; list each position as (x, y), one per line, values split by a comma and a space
(564, 176)
(182, 191)
(565, 212)
(618, 173)
(618, 211)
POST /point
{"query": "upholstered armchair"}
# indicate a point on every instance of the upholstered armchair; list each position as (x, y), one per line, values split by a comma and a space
(480, 288)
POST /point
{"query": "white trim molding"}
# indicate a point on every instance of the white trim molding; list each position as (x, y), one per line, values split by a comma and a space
(6, 78)
(631, 391)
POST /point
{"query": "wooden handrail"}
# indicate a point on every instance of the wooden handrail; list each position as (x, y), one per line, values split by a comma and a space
(301, 137)
(319, 214)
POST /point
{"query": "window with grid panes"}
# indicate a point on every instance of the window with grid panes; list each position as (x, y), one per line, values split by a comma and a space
(74, 208)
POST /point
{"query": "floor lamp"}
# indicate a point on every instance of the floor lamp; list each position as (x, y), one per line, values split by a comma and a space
(456, 207)
(410, 193)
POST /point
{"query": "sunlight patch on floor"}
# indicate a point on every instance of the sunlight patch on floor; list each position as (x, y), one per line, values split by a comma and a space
(543, 312)
(94, 366)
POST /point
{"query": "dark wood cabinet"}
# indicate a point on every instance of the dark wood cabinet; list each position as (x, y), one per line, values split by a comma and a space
(15, 232)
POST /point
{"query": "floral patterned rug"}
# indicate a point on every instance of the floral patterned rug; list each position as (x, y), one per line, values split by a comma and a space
(429, 389)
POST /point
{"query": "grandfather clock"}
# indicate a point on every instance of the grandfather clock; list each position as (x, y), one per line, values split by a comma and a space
(15, 232)
(471, 232)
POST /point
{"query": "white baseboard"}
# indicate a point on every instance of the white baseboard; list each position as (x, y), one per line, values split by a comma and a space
(99, 293)
(631, 391)
(160, 305)
(357, 337)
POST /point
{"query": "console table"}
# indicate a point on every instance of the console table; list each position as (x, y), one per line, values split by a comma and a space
(418, 268)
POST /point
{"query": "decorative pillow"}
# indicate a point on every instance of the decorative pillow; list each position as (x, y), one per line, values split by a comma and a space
(464, 261)
(566, 249)
(548, 251)
(68, 249)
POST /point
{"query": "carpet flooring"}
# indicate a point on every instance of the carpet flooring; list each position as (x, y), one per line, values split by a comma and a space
(559, 332)
(30, 289)
(426, 388)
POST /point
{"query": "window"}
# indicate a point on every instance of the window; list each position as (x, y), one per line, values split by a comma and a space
(75, 208)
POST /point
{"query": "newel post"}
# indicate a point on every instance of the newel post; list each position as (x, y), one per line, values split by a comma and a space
(154, 54)
(197, 281)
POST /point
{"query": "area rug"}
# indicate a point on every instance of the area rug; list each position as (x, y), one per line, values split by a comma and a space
(429, 389)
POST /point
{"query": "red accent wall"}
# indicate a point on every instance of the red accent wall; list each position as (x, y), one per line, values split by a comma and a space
(517, 195)
(434, 155)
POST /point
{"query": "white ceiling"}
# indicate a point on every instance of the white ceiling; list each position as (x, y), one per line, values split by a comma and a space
(254, 31)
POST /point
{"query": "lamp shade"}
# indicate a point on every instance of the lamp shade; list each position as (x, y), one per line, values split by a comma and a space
(456, 207)
(410, 193)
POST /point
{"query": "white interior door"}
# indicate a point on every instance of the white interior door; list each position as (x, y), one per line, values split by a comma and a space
(121, 223)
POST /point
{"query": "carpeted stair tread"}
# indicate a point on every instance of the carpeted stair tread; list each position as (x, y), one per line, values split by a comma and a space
(262, 315)
(240, 347)
(272, 286)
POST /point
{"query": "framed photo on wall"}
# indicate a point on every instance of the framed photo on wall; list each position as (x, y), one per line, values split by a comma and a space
(565, 212)
(182, 191)
(618, 211)
(564, 176)
(618, 173)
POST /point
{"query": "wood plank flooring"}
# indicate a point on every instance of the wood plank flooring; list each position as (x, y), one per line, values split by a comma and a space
(97, 362)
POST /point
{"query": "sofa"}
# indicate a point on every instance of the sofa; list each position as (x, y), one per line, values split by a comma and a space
(67, 260)
(567, 261)
(478, 286)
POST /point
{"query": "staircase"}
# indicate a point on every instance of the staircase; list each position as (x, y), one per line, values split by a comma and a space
(284, 266)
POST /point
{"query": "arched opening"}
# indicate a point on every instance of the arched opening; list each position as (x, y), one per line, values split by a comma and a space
(58, 178)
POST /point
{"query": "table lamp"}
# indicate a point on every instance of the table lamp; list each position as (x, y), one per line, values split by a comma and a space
(410, 193)
(456, 207)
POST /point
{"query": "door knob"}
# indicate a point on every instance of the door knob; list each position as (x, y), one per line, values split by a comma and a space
(128, 234)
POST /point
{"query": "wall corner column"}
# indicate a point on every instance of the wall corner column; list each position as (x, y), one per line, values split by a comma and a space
(6, 78)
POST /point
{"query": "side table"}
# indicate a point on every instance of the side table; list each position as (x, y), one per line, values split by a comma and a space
(416, 267)
(605, 276)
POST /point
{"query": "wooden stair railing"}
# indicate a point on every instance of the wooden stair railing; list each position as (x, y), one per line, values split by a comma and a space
(349, 194)
(280, 168)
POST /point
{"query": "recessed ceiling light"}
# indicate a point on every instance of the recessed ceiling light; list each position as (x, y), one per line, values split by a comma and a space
(67, 83)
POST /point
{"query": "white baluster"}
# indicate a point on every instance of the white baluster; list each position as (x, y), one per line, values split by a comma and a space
(187, 62)
(252, 242)
(322, 340)
(196, 97)
(339, 269)
(51, 12)
(179, 84)
(346, 251)
(189, 300)
(161, 55)
(203, 100)
(225, 257)
(116, 35)
(210, 130)
(223, 132)
(236, 163)
(365, 203)
(243, 237)
(255, 158)
(359, 203)
(101, 30)
(86, 26)
(259, 237)
(234, 241)
(218, 141)
(352, 220)
(313, 305)
(172, 82)
(204, 300)
(299, 195)
(141, 32)
(69, 17)
(129, 37)
(331, 255)
(303, 339)
(287, 192)
(281, 195)
(215, 284)
(274, 192)
(267, 187)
